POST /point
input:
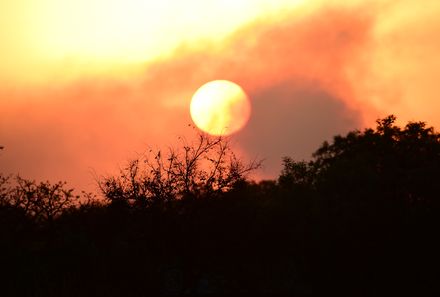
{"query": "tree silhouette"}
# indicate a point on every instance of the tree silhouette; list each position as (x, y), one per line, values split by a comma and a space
(205, 167)
(375, 202)
(42, 202)
(403, 163)
(359, 218)
(4, 189)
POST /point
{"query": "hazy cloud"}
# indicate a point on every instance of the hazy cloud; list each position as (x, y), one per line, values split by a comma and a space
(309, 76)
(293, 120)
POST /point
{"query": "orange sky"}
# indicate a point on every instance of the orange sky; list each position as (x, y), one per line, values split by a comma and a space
(84, 85)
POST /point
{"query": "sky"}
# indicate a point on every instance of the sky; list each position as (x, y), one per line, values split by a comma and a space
(85, 85)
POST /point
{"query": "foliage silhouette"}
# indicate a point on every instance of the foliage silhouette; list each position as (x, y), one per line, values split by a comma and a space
(375, 199)
(359, 218)
(205, 167)
(42, 202)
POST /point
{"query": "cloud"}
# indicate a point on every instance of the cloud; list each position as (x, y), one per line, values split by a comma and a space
(291, 119)
(310, 75)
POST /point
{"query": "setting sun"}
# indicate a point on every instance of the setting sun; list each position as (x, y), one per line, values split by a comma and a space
(220, 107)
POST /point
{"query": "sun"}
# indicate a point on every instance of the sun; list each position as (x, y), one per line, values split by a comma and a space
(220, 107)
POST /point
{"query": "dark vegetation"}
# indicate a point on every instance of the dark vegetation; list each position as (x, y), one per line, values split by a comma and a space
(360, 219)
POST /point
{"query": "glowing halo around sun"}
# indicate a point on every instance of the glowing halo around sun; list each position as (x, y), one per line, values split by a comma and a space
(220, 107)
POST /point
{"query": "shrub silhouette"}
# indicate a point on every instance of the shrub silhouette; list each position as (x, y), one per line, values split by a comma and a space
(359, 218)
(374, 195)
(205, 167)
(42, 202)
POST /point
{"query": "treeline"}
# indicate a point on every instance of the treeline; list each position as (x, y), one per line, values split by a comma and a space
(360, 219)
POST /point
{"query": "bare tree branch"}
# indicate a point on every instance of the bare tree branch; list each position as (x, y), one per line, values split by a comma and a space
(200, 168)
